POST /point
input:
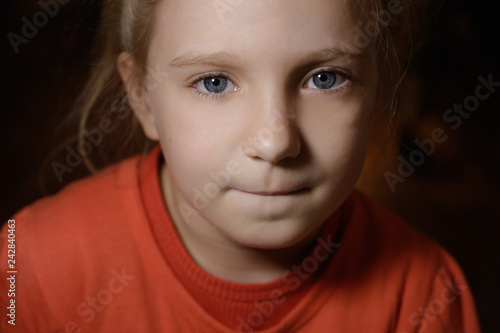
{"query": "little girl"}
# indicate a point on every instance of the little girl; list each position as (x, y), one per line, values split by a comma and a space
(244, 217)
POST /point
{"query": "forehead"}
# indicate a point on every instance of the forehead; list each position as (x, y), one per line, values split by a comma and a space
(253, 28)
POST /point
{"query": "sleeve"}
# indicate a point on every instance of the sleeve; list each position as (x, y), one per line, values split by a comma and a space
(446, 305)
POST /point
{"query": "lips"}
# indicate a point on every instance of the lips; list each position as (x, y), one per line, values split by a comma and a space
(274, 193)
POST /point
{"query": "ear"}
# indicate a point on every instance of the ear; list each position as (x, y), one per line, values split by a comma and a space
(137, 94)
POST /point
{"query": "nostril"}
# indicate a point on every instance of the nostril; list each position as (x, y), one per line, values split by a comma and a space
(247, 149)
(273, 145)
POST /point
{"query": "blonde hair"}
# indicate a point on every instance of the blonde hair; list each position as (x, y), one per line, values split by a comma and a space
(126, 25)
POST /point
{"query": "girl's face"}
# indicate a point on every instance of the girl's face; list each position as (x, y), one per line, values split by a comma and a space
(262, 110)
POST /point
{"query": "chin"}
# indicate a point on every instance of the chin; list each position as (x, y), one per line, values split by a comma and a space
(273, 235)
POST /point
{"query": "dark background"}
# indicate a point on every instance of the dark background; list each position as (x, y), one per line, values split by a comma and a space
(454, 197)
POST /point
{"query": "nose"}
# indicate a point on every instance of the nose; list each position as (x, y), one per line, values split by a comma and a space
(275, 136)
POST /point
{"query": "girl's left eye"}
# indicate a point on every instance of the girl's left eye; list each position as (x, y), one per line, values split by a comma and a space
(213, 85)
(326, 81)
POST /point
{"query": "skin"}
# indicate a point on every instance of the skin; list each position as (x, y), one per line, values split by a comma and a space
(295, 151)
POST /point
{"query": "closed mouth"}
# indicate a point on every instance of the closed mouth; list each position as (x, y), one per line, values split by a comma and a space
(277, 193)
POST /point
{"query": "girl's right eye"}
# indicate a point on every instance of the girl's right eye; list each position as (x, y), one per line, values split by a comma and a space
(214, 85)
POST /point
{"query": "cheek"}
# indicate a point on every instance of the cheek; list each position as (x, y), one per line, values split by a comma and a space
(337, 141)
(338, 129)
(191, 145)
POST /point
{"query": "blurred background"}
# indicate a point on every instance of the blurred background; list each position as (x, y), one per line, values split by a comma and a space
(453, 196)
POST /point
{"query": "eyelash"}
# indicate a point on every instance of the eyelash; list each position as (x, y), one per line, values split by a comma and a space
(350, 79)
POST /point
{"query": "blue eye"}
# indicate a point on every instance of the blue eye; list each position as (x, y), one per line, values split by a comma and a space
(214, 85)
(326, 81)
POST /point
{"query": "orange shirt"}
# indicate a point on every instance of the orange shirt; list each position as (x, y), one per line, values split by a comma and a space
(103, 256)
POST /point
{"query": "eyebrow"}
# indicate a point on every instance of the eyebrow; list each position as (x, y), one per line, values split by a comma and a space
(225, 58)
(335, 53)
(213, 59)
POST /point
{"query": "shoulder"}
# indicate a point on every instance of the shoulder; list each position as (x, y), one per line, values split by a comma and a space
(401, 266)
(393, 277)
(384, 230)
(60, 228)
(387, 245)
(65, 243)
(87, 200)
